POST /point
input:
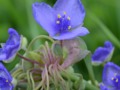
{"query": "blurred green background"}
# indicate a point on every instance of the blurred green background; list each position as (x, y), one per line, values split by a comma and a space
(102, 19)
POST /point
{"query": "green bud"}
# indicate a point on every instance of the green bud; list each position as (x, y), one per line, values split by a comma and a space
(35, 56)
(26, 65)
(24, 43)
(14, 82)
(57, 49)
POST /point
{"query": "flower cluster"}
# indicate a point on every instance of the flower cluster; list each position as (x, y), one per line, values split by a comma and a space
(7, 53)
(5, 79)
(50, 65)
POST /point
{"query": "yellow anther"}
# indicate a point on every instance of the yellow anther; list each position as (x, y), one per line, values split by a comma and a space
(58, 22)
(68, 18)
(6, 80)
(112, 78)
(64, 12)
(116, 80)
(59, 16)
(69, 27)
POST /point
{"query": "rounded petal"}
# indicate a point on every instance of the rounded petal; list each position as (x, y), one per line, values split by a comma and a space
(2, 55)
(14, 38)
(80, 31)
(108, 44)
(110, 70)
(4, 73)
(100, 55)
(103, 87)
(45, 16)
(11, 47)
(73, 8)
(103, 54)
(5, 79)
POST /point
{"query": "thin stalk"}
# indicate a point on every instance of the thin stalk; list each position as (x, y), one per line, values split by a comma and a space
(40, 37)
(27, 59)
(90, 69)
(90, 86)
(32, 80)
(14, 74)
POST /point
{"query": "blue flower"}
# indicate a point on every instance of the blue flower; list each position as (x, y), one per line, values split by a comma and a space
(5, 79)
(111, 77)
(11, 47)
(103, 54)
(63, 21)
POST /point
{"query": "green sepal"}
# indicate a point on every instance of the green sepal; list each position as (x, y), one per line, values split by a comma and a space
(35, 56)
(57, 49)
(74, 80)
(21, 86)
(24, 43)
(26, 65)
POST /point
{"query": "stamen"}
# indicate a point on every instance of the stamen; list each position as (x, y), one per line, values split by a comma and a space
(117, 80)
(64, 13)
(59, 16)
(69, 27)
(112, 78)
(6, 80)
(63, 22)
(58, 22)
(68, 18)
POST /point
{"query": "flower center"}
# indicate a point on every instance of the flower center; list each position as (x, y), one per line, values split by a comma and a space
(3, 82)
(116, 80)
(63, 23)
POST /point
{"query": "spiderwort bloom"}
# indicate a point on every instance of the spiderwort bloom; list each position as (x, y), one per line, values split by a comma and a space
(63, 21)
(11, 47)
(103, 54)
(111, 77)
(5, 79)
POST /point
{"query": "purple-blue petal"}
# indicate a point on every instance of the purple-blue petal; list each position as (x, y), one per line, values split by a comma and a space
(109, 72)
(104, 87)
(102, 54)
(81, 31)
(108, 44)
(2, 54)
(11, 47)
(73, 8)
(5, 79)
(45, 16)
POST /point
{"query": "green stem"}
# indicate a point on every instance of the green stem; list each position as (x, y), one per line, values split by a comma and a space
(14, 74)
(90, 69)
(27, 59)
(90, 86)
(38, 38)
